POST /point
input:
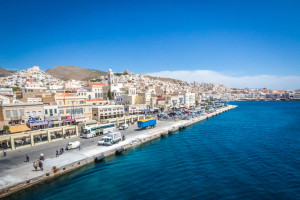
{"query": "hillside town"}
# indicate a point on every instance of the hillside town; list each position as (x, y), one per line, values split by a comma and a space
(32, 100)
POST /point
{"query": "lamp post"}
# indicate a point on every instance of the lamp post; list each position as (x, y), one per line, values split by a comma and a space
(72, 110)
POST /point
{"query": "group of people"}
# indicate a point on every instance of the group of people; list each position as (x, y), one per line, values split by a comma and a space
(37, 164)
(61, 151)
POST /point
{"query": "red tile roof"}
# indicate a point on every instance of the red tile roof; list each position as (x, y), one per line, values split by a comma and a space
(65, 95)
(97, 99)
(97, 84)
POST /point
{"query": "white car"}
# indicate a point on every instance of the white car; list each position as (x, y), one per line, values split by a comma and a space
(73, 145)
(123, 127)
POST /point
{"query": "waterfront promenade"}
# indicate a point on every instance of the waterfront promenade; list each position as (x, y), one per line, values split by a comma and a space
(16, 174)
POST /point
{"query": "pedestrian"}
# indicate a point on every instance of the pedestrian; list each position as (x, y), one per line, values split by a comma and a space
(61, 150)
(27, 158)
(79, 147)
(57, 153)
(35, 165)
(41, 165)
(4, 152)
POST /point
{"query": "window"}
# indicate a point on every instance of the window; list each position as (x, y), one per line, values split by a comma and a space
(55, 111)
(46, 111)
(68, 111)
(51, 112)
(39, 113)
(27, 114)
(81, 102)
(8, 114)
(68, 102)
(21, 112)
(61, 112)
(89, 109)
(59, 103)
(33, 113)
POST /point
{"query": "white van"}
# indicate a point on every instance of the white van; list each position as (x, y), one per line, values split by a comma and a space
(123, 127)
(73, 145)
(111, 139)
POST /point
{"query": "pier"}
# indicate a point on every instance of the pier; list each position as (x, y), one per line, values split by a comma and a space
(23, 176)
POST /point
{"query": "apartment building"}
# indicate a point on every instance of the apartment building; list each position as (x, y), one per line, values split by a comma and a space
(19, 113)
(101, 113)
(143, 98)
(73, 108)
(98, 102)
(189, 99)
(96, 90)
(135, 109)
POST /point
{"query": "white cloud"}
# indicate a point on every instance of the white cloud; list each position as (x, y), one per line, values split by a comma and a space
(257, 81)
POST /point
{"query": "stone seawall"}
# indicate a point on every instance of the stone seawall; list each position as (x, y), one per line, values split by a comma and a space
(135, 140)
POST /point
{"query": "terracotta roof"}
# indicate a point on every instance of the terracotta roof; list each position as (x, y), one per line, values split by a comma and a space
(98, 84)
(65, 95)
(17, 129)
(97, 99)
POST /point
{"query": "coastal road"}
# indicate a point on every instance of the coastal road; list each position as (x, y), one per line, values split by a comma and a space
(17, 157)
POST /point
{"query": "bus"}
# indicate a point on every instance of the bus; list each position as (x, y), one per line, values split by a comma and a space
(94, 130)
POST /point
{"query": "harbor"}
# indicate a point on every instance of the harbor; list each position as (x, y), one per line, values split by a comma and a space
(23, 176)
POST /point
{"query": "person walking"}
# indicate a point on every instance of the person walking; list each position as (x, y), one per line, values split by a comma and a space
(61, 150)
(35, 165)
(57, 153)
(41, 165)
(79, 148)
(4, 152)
(27, 158)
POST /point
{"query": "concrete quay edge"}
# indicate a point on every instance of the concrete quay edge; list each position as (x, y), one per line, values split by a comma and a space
(55, 172)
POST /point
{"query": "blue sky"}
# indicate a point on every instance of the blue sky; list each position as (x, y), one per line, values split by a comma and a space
(234, 38)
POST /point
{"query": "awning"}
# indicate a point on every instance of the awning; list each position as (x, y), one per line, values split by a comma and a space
(17, 129)
(38, 124)
(68, 120)
(80, 120)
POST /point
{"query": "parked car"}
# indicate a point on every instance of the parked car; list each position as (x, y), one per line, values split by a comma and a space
(123, 127)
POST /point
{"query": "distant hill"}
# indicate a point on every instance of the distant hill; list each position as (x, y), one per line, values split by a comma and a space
(66, 72)
(171, 80)
(4, 72)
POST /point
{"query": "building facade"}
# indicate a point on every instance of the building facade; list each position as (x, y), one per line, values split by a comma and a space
(102, 113)
(72, 108)
(19, 113)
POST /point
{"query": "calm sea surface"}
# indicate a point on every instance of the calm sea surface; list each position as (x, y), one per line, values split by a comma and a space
(251, 152)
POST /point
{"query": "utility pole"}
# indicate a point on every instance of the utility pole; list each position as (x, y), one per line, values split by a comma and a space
(72, 110)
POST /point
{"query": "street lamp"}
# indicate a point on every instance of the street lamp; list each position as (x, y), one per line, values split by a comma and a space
(72, 110)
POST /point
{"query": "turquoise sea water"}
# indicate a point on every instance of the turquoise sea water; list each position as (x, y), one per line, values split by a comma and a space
(251, 152)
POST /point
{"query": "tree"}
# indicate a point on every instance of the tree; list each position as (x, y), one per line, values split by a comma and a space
(197, 103)
(109, 95)
(6, 128)
(15, 88)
